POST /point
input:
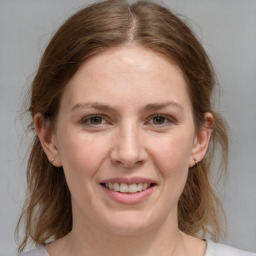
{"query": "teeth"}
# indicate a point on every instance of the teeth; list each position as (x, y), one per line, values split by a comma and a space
(133, 188)
(125, 188)
(145, 186)
(115, 187)
(110, 186)
(139, 187)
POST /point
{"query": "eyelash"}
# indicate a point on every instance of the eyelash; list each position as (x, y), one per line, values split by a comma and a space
(89, 118)
(167, 120)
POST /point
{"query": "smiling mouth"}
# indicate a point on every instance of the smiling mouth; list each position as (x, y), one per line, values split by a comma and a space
(128, 188)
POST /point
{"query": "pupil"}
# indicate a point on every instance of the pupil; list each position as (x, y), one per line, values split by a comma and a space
(159, 120)
(96, 120)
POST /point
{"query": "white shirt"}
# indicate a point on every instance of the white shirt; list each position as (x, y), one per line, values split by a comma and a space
(216, 249)
(213, 249)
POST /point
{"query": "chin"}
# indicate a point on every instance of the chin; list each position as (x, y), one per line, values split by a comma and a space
(131, 223)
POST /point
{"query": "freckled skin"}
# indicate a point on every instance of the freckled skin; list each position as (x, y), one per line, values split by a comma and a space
(107, 128)
(127, 79)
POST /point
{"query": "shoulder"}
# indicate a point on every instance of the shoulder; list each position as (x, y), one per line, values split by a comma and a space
(216, 249)
(39, 251)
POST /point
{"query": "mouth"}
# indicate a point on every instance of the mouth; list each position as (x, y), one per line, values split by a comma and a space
(128, 188)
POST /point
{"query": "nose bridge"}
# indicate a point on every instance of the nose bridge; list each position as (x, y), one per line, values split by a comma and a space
(128, 147)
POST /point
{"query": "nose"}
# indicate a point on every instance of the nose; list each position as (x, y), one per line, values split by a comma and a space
(128, 150)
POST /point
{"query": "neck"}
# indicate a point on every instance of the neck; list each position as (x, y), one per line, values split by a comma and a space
(165, 240)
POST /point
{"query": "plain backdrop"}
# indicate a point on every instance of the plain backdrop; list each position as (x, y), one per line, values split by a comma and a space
(227, 31)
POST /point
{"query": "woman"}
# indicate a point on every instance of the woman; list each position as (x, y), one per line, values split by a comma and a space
(125, 137)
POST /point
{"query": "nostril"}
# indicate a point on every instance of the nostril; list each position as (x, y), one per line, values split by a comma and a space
(128, 164)
(127, 150)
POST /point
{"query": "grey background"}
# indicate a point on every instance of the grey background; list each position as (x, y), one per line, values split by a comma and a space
(226, 29)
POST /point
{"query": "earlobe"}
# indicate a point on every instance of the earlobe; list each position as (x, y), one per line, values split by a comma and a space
(201, 140)
(47, 138)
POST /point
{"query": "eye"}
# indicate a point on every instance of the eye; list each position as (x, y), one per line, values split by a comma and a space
(160, 120)
(94, 120)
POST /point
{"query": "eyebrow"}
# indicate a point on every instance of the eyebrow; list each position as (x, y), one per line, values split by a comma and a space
(158, 106)
(148, 107)
(96, 105)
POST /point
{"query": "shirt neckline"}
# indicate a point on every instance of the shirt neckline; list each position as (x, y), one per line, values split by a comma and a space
(210, 247)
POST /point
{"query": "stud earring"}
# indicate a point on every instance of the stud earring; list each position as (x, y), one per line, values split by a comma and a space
(53, 159)
(196, 163)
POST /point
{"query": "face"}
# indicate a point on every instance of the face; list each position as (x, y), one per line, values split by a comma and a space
(125, 138)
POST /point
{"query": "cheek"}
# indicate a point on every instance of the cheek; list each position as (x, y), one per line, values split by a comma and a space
(174, 150)
(171, 156)
(81, 156)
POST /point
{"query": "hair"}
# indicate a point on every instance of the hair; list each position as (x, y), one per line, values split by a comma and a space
(47, 212)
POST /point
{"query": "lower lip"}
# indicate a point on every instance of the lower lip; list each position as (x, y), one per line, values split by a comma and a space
(129, 198)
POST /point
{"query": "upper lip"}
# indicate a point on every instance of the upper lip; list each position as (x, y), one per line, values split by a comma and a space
(128, 180)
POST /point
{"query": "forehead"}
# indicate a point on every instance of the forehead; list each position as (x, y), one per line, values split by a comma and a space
(127, 74)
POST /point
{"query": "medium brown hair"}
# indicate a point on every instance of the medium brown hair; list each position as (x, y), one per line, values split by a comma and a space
(47, 211)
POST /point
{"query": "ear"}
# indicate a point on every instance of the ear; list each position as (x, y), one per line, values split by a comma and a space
(47, 138)
(201, 140)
